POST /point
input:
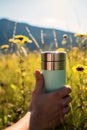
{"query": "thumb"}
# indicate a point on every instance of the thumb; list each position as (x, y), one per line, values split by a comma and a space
(39, 82)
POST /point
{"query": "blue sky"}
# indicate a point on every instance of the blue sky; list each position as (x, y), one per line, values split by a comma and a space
(69, 15)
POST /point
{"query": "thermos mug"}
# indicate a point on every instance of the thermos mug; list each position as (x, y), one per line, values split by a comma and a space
(53, 64)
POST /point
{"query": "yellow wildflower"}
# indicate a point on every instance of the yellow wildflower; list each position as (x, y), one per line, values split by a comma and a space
(11, 40)
(81, 35)
(80, 69)
(23, 39)
(5, 46)
(85, 35)
(20, 40)
(15, 41)
(60, 49)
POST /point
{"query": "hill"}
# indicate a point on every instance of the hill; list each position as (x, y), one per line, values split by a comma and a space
(7, 28)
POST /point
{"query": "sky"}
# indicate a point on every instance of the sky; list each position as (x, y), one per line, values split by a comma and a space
(68, 15)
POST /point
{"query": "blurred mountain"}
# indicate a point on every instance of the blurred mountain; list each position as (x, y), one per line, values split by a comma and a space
(8, 28)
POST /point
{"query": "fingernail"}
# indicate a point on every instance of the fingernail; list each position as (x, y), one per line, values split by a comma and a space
(69, 88)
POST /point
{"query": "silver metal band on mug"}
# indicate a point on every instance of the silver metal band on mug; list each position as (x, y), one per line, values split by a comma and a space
(53, 65)
(53, 56)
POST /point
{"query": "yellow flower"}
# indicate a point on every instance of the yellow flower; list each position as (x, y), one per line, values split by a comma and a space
(11, 40)
(22, 38)
(5, 46)
(85, 35)
(15, 41)
(81, 35)
(61, 50)
(80, 68)
(78, 35)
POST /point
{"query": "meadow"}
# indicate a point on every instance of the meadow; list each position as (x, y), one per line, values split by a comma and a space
(17, 82)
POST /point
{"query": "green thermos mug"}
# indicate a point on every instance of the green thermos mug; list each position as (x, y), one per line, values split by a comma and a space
(53, 64)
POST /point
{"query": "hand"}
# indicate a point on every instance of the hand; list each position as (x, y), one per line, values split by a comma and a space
(48, 109)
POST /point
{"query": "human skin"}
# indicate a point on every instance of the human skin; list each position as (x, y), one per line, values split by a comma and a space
(46, 110)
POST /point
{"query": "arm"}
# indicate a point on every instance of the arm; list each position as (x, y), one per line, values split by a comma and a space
(22, 124)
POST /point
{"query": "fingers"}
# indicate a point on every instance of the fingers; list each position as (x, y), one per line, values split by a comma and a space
(66, 109)
(65, 91)
(39, 83)
(66, 100)
(61, 93)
